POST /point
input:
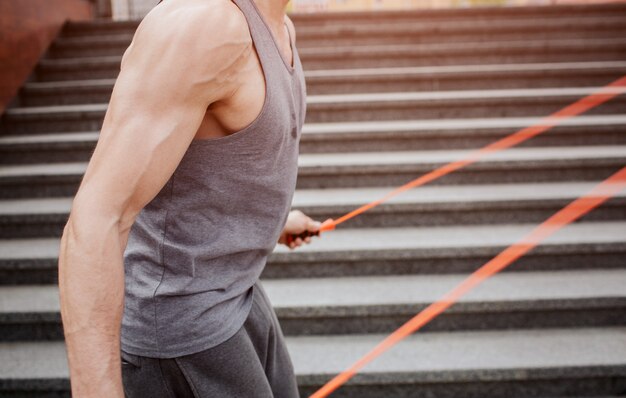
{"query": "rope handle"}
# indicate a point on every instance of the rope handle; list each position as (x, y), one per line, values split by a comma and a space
(292, 237)
(327, 225)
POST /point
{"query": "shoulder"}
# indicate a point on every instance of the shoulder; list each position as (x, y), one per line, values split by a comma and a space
(199, 44)
(197, 16)
(291, 27)
(197, 28)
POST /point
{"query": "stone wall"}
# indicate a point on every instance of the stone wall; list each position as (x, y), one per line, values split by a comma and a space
(27, 27)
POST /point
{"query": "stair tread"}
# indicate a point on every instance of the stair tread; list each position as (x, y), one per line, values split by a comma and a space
(465, 236)
(506, 45)
(314, 295)
(460, 94)
(445, 194)
(441, 352)
(375, 239)
(75, 168)
(370, 50)
(392, 126)
(374, 159)
(432, 195)
(418, 14)
(49, 138)
(370, 98)
(420, 289)
(442, 27)
(440, 156)
(432, 356)
(464, 69)
(388, 71)
(455, 124)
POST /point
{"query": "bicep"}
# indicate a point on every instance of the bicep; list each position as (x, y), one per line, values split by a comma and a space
(154, 113)
(167, 80)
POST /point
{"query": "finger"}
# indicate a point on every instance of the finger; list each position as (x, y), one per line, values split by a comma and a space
(307, 239)
(298, 241)
(313, 225)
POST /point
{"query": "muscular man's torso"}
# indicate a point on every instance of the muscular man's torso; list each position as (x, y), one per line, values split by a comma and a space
(196, 248)
(226, 117)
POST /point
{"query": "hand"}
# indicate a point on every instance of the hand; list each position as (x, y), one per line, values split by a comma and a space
(297, 223)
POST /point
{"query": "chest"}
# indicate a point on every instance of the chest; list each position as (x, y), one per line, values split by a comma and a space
(256, 86)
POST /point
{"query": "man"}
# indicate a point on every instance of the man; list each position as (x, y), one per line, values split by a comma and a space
(185, 196)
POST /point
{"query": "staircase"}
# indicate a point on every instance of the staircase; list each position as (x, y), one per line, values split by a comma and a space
(391, 96)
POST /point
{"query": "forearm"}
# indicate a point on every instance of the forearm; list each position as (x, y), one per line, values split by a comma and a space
(91, 286)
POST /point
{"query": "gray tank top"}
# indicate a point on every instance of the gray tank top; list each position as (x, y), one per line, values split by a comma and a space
(195, 251)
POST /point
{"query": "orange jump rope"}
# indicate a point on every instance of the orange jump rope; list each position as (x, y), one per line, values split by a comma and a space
(563, 217)
(599, 97)
(579, 207)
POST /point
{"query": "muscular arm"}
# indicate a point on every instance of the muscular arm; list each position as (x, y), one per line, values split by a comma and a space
(180, 61)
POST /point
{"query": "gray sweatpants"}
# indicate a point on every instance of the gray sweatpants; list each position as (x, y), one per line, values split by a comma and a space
(254, 363)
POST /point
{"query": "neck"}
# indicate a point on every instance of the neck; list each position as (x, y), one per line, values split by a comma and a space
(273, 11)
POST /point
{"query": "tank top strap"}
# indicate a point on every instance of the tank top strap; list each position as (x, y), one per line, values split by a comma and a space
(261, 35)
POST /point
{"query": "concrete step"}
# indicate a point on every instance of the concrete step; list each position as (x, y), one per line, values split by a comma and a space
(390, 33)
(416, 16)
(521, 51)
(353, 107)
(351, 81)
(356, 137)
(450, 104)
(453, 205)
(468, 30)
(448, 249)
(473, 364)
(401, 55)
(424, 15)
(426, 134)
(336, 170)
(370, 169)
(47, 148)
(540, 363)
(389, 251)
(426, 206)
(464, 77)
(380, 304)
